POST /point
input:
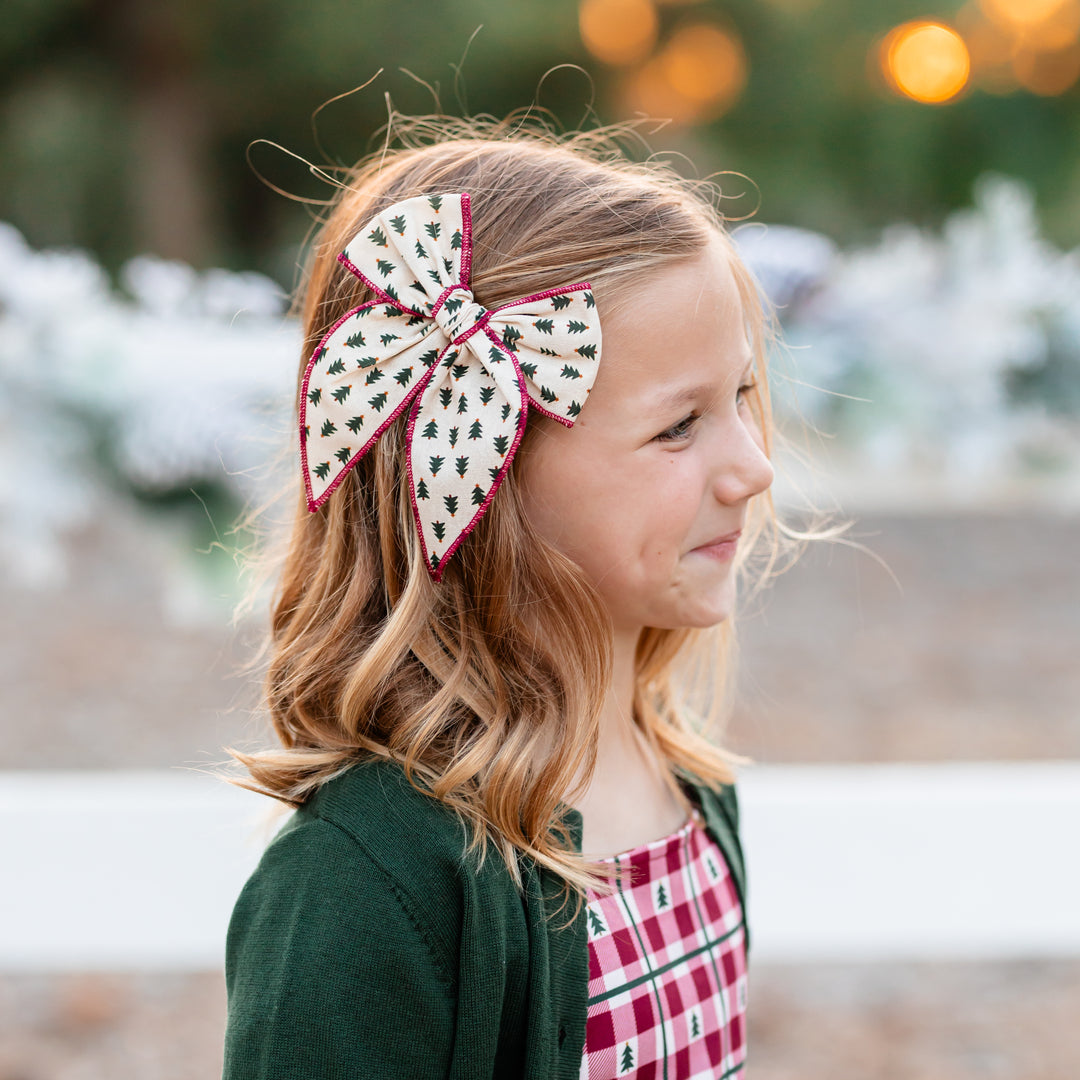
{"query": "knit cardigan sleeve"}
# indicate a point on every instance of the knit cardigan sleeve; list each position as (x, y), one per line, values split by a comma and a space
(330, 971)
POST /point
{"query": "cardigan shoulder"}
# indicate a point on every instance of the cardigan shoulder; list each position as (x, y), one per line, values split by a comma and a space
(365, 914)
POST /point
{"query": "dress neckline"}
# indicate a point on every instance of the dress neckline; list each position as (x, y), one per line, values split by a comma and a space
(653, 848)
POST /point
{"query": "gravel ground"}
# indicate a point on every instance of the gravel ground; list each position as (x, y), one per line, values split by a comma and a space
(840, 1022)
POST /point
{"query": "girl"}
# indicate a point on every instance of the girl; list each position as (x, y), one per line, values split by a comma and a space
(535, 451)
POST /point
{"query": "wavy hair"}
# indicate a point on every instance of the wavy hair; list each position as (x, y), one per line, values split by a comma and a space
(493, 713)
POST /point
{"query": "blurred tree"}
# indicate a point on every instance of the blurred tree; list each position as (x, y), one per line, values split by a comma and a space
(124, 124)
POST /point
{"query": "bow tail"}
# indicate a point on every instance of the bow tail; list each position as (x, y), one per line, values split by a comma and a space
(464, 429)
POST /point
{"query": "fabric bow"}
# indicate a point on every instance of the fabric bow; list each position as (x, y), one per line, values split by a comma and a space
(471, 374)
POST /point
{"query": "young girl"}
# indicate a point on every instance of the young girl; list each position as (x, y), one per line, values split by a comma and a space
(535, 448)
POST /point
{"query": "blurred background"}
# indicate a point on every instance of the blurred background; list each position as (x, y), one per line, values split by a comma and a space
(905, 181)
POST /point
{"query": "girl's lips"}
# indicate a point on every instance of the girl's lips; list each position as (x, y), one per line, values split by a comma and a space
(724, 550)
(731, 537)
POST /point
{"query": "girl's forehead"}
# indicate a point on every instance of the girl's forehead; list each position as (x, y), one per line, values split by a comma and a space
(687, 331)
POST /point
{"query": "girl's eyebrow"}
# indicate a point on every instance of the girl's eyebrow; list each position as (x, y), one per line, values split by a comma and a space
(686, 394)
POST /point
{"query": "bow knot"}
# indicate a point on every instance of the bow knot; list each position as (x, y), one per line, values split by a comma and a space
(459, 315)
(467, 375)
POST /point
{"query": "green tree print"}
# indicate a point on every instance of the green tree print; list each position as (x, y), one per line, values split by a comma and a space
(421, 489)
(478, 495)
(404, 376)
(661, 897)
(341, 393)
(505, 411)
(627, 1062)
(439, 529)
(436, 463)
(343, 455)
(431, 430)
(511, 336)
(455, 240)
(560, 302)
(354, 424)
(462, 466)
(446, 395)
(576, 327)
(596, 924)
(386, 268)
(450, 501)
(486, 394)
(569, 372)
(336, 368)
(420, 252)
(548, 395)
(378, 401)
(377, 236)
(398, 224)
(495, 355)
(453, 436)
(528, 369)
(474, 430)
(588, 351)
(502, 444)
(590, 300)
(436, 202)
(387, 338)
(574, 408)
(459, 370)
(433, 228)
(373, 376)
(322, 470)
(545, 326)
(695, 1026)
(463, 404)
(328, 428)
(494, 472)
(315, 396)
(355, 341)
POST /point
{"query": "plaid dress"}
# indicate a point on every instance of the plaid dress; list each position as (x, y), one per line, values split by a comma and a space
(667, 965)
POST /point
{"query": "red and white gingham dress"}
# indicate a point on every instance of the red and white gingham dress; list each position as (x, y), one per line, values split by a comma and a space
(667, 965)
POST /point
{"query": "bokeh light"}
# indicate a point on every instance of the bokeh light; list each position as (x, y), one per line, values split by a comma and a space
(697, 75)
(618, 31)
(1025, 15)
(926, 61)
(1047, 72)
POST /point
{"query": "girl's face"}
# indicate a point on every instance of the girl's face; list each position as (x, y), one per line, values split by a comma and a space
(664, 456)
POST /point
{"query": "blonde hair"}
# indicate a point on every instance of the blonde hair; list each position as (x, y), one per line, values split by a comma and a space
(490, 712)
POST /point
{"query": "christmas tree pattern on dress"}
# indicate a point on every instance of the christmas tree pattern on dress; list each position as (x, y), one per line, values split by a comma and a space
(538, 352)
(626, 1061)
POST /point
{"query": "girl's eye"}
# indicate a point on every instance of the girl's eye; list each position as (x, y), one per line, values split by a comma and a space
(683, 428)
(678, 431)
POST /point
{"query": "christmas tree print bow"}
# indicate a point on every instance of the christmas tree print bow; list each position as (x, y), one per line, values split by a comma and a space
(468, 375)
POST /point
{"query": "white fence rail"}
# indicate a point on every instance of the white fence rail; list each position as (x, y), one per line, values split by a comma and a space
(139, 869)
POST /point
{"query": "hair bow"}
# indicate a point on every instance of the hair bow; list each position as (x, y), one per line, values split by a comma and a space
(471, 374)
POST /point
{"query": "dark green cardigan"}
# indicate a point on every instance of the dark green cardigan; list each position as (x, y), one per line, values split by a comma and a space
(363, 945)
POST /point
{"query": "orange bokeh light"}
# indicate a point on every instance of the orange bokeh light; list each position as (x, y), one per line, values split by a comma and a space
(618, 31)
(705, 64)
(699, 74)
(1023, 13)
(1047, 73)
(926, 61)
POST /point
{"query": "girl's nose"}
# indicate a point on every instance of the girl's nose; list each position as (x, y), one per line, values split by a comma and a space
(742, 467)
